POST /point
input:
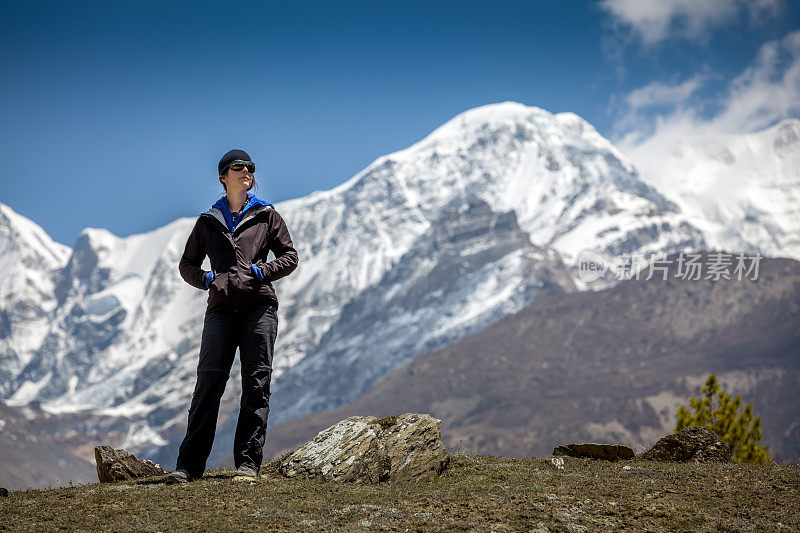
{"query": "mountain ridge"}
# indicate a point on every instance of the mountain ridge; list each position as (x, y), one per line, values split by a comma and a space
(122, 335)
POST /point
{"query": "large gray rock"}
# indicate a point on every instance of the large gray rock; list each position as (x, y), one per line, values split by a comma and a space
(690, 444)
(609, 452)
(119, 465)
(369, 449)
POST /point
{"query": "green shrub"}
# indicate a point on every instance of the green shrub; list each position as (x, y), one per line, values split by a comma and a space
(719, 411)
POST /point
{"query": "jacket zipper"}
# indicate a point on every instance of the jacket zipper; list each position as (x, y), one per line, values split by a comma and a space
(249, 216)
(231, 236)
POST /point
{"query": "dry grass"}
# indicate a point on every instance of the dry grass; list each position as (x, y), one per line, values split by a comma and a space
(480, 493)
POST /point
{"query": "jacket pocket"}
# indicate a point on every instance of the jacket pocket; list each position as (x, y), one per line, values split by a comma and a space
(219, 284)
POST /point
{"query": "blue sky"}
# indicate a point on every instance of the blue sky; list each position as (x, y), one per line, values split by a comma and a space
(116, 113)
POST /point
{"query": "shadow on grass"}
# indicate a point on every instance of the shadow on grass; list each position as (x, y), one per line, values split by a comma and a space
(163, 479)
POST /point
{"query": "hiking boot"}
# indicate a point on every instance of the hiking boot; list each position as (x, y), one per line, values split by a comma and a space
(245, 473)
(180, 476)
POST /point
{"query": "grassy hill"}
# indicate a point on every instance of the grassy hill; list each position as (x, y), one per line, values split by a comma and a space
(475, 493)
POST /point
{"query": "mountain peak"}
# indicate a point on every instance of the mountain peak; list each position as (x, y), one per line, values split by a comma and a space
(22, 235)
(501, 111)
(507, 113)
(489, 115)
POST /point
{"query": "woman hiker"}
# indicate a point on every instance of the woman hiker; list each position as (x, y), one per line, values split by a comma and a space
(237, 234)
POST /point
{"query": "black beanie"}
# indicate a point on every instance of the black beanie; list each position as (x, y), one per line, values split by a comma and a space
(230, 157)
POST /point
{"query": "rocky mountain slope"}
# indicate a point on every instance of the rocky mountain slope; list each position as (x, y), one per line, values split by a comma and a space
(605, 366)
(29, 260)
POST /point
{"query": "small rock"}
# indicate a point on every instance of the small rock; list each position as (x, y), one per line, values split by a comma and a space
(370, 507)
(3, 492)
(577, 528)
(119, 465)
(591, 450)
(690, 444)
(395, 514)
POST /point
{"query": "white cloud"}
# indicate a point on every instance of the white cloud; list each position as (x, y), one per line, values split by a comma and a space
(767, 91)
(764, 93)
(656, 20)
(640, 103)
(658, 93)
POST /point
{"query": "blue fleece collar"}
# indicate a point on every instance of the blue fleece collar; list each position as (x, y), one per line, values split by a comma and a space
(252, 201)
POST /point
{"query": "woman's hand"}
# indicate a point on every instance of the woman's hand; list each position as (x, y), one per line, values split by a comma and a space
(257, 272)
(209, 277)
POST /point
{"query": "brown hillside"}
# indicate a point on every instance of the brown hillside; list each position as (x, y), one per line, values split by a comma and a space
(30, 461)
(608, 366)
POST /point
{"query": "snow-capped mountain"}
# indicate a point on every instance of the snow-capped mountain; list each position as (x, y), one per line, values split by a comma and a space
(569, 188)
(421, 248)
(29, 261)
(743, 191)
(119, 308)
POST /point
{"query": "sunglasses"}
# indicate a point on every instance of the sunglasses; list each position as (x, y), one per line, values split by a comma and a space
(239, 165)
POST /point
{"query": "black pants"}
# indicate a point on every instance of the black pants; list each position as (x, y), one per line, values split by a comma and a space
(253, 329)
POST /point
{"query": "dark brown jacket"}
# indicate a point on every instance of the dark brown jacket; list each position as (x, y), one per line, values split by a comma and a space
(234, 285)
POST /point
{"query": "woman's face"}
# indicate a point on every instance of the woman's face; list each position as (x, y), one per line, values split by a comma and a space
(238, 180)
